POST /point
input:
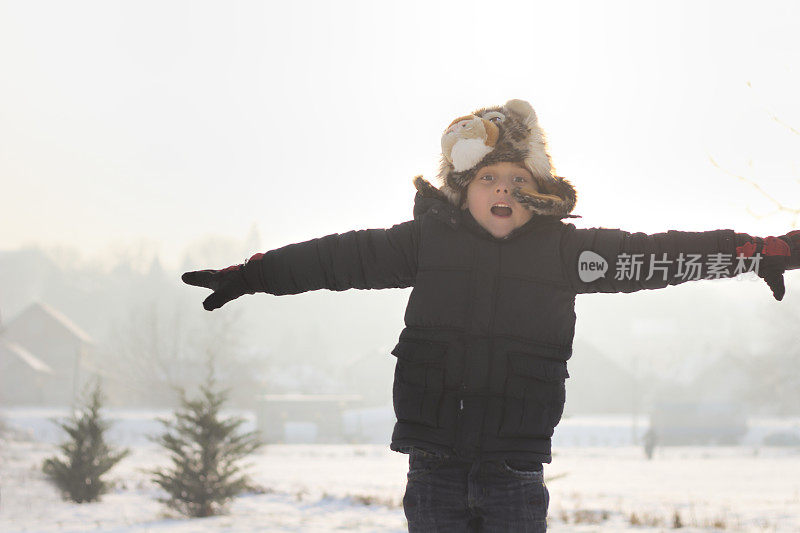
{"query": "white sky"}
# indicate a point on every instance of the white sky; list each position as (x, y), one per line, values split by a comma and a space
(157, 123)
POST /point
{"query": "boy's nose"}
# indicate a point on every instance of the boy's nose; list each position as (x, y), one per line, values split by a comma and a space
(503, 186)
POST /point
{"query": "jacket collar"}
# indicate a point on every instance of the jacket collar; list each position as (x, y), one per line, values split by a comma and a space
(536, 221)
(453, 217)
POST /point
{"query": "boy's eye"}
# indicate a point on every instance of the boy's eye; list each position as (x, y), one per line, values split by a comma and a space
(487, 177)
(520, 179)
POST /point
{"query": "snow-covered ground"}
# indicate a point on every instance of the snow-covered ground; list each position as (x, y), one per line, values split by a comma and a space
(325, 488)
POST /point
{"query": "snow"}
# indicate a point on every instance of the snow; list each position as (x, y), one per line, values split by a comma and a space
(350, 487)
(306, 488)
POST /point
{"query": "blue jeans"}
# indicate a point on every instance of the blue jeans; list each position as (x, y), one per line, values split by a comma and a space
(452, 495)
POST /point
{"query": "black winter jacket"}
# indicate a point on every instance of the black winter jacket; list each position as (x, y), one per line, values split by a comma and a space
(482, 361)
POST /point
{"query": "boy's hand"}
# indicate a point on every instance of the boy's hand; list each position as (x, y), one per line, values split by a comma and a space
(771, 271)
(778, 254)
(227, 284)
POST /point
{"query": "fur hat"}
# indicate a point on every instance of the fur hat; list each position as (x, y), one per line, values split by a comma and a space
(508, 133)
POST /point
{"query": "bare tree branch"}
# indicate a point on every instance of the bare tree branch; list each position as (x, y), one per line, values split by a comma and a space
(779, 207)
(782, 123)
(775, 117)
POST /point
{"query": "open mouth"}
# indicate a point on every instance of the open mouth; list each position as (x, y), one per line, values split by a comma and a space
(501, 210)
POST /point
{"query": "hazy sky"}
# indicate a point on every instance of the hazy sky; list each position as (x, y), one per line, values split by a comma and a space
(156, 124)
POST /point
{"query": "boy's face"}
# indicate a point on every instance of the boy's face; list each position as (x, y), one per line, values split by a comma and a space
(489, 198)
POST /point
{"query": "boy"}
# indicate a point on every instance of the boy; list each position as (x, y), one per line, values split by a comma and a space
(481, 364)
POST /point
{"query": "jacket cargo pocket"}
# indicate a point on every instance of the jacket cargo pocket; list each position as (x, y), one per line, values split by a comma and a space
(534, 396)
(418, 382)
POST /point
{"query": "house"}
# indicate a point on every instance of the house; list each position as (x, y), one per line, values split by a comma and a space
(371, 375)
(705, 403)
(304, 418)
(43, 358)
(682, 422)
(23, 376)
(597, 384)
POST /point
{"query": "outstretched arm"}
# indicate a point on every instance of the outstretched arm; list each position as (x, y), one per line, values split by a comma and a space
(611, 260)
(365, 259)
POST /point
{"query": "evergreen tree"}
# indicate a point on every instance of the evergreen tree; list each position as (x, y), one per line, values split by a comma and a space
(205, 451)
(87, 456)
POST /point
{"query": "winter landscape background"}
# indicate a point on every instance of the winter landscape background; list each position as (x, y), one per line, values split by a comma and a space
(311, 488)
(142, 139)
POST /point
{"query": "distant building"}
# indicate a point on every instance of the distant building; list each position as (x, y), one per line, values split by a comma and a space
(371, 375)
(681, 422)
(43, 358)
(23, 376)
(597, 384)
(304, 418)
(723, 378)
(707, 404)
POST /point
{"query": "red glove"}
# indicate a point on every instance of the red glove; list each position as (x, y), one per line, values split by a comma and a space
(228, 283)
(778, 254)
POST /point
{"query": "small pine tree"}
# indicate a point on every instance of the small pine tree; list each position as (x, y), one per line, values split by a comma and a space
(205, 451)
(87, 457)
